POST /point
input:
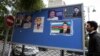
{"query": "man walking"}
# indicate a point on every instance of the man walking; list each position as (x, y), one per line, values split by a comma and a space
(94, 39)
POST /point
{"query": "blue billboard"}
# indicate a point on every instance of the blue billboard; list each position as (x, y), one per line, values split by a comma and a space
(60, 27)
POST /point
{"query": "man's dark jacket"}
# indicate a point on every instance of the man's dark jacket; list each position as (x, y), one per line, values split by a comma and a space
(94, 44)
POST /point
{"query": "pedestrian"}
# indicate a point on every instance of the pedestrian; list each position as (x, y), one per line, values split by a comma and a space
(94, 39)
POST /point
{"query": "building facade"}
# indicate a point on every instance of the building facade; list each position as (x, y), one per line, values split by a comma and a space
(56, 3)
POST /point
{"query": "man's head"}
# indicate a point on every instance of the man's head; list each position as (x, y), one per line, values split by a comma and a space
(52, 13)
(76, 10)
(65, 26)
(91, 26)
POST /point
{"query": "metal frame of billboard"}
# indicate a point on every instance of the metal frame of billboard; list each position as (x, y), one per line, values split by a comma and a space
(65, 48)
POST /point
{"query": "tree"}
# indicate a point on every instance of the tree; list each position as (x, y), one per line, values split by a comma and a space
(29, 5)
(3, 12)
(3, 9)
(17, 6)
(21, 6)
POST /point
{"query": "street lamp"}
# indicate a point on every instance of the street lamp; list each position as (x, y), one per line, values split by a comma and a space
(88, 11)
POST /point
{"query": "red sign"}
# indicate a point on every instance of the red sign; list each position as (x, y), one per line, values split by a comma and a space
(9, 21)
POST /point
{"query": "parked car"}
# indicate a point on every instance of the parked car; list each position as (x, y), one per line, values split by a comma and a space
(28, 50)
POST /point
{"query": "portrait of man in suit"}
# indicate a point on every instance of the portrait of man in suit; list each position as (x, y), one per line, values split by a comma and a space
(77, 12)
(65, 28)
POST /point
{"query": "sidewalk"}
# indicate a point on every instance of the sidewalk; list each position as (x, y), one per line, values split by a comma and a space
(6, 50)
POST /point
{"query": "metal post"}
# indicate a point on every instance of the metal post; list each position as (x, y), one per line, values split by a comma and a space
(88, 14)
(5, 42)
(62, 53)
(23, 47)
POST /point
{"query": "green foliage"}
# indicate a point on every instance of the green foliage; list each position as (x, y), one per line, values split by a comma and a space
(18, 6)
(1, 21)
(3, 9)
(29, 5)
(1, 34)
(21, 6)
